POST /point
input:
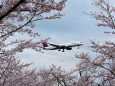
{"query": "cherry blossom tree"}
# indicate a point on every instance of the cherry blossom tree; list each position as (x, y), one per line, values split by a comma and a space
(99, 70)
(55, 76)
(17, 18)
(14, 73)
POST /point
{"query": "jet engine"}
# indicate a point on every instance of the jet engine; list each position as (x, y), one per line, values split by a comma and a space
(68, 48)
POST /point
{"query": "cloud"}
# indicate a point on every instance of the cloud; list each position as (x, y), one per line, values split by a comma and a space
(64, 59)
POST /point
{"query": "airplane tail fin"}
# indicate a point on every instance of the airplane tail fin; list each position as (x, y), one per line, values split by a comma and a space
(44, 44)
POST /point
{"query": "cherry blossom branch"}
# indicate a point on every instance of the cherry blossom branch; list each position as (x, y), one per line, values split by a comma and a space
(12, 9)
(106, 69)
(19, 27)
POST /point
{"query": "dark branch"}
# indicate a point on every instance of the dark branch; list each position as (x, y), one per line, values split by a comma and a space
(12, 9)
(19, 27)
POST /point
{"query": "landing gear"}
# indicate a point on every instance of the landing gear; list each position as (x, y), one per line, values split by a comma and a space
(59, 50)
(63, 50)
(78, 47)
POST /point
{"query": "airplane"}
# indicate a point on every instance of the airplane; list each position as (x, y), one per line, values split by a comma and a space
(67, 46)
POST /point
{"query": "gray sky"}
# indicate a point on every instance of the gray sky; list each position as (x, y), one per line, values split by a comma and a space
(74, 26)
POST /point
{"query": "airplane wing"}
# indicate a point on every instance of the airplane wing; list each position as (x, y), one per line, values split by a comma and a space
(54, 45)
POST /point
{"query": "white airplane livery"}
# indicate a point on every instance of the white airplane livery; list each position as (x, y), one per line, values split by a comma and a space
(67, 46)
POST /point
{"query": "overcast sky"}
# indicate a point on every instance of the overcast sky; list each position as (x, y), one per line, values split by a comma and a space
(73, 26)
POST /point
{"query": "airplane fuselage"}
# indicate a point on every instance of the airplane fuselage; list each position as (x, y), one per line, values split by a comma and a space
(67, 46)
(74, 44)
